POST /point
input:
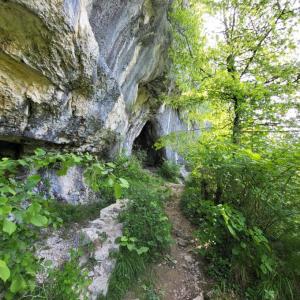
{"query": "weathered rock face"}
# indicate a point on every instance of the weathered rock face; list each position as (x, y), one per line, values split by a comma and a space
(70, 188)
(101, 233)
(82, 75)
(79, 74)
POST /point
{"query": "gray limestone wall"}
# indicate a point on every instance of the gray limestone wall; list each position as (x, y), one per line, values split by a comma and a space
(82, 75)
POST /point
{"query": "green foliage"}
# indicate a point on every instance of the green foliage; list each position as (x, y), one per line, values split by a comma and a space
(246, 207)
(248, 67)
(237, 84)
(24, 210)
(130, 244)
(129, 267)
(70, 282)
(141, 156)
(146, 227)
(169, 171)
(70, 213)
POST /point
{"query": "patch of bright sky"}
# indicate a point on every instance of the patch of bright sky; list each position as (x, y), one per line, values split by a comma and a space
(213, 29)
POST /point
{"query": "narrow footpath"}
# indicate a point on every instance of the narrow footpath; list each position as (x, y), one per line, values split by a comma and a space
(179, 276)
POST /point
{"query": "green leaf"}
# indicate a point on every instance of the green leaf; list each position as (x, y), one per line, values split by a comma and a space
(231, 230)
(76, 159)
(9, 227)
(39, 152)
(18, 284)
(117, 190)
(5, 210)
(8, 189)
(133, 239)
(130, 247)
(111, 165)
(124, 183)
(39, 220)
(243, 245)
(142, 250)
(110, 182)
(32, 181)
(63, 171)
(4, 271)
(23, 162)
(124, 239)
(235, 251)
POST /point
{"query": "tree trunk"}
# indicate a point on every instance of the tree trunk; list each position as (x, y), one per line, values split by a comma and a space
(204, 189)
(218, 195)
(236, 128)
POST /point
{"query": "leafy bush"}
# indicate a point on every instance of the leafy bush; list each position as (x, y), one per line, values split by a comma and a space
(169, 171)
(141, 156)
(246, 206)
(24, 211)
(70, 282)
(146, 227)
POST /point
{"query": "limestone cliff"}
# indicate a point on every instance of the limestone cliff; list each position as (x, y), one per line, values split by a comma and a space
(82, 75)
(79, 74)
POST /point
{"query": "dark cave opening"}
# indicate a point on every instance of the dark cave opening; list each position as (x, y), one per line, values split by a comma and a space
(10, 150)
(144, 144)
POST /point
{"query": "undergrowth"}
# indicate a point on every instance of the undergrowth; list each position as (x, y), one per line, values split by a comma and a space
(25, 209)
(246, 209)
(170, 171)
(69, 282)
(146, 227)
(81, 213)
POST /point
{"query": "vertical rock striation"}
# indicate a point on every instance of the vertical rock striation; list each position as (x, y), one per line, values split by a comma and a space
(81, 75)
(75, 73)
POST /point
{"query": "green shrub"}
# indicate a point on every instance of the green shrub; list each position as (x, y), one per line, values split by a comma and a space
(128, 268)
(246, 207)
(146, 231)
(70, 213)
(141, 156)
(24, 211)
(170, 171)
(69, 282)
(189, 200)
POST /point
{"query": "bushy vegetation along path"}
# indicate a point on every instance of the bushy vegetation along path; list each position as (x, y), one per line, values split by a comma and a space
(179, 276)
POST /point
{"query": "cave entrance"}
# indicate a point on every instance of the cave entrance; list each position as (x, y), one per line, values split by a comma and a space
(144, 144)
(11, 150)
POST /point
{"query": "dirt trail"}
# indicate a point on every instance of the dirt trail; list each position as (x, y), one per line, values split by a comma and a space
(179, 276)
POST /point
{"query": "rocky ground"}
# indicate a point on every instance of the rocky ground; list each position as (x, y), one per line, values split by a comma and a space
(179, 275)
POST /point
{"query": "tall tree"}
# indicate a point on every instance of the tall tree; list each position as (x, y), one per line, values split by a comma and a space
(250, 65)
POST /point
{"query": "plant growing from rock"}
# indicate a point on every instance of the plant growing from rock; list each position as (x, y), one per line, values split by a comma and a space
(24, 211)
(146, 228)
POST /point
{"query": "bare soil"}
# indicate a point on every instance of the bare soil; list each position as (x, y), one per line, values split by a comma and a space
(180, 278)
(179, 275)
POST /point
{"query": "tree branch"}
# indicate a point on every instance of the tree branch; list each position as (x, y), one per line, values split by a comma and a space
(264, 37)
